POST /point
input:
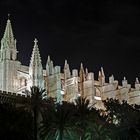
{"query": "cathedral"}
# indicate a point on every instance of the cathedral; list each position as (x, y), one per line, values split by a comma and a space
(63, 86)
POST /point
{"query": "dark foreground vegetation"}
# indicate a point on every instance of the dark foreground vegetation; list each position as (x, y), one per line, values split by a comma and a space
(47, 120)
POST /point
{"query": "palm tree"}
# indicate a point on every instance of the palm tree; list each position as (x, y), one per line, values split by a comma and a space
(58, 122)
(89, 121)
(36, 105)
(83, 108)
(97, 132)
(83, 114)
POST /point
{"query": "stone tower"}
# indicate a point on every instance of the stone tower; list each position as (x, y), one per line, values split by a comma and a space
(8, 60)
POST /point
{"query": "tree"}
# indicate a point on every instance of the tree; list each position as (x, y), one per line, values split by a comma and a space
(125, 117)
(97, 132)
(89, 121)
(59, 122)
(83, 115)
(36, 105)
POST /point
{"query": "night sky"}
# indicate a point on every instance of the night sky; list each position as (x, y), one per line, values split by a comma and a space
(93, 32)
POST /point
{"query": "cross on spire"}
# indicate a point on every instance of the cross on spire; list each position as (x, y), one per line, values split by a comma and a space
(8, 16)
(35, 41)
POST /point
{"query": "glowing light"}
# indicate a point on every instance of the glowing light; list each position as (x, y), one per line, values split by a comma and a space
(97, 98)
(62, 92)
(79, 94)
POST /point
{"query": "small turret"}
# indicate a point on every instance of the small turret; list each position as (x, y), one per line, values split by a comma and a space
(74, 73)
(67, 73)
(82, 79)
(111, 79)
(49, 66)
(124, 82)
(101, 77)
(137, 84)
(90, 76)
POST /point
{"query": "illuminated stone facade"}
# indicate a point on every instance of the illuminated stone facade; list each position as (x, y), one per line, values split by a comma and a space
(66, 85)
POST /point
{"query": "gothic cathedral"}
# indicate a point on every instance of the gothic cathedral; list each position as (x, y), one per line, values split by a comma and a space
(66, 85)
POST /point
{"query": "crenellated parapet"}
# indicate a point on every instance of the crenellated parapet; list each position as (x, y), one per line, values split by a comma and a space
(74, 83)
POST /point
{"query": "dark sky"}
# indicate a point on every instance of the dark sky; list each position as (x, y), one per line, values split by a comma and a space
(90, 31)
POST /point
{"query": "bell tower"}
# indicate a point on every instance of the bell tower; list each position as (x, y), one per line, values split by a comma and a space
(8, 44)
(8, 59)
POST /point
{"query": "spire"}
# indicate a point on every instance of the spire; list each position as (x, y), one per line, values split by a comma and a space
(35, 59)
(82, 72)
(8, 43)
(35, 68)
(8, 34)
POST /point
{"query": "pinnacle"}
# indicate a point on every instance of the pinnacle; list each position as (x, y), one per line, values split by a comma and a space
(8, 34)
(124, 78)
(66, 62)
(49, 59)
(66, 65)
(99, 74)
(102, 72)
(137, 80)
(81, 66)
(35, 59)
